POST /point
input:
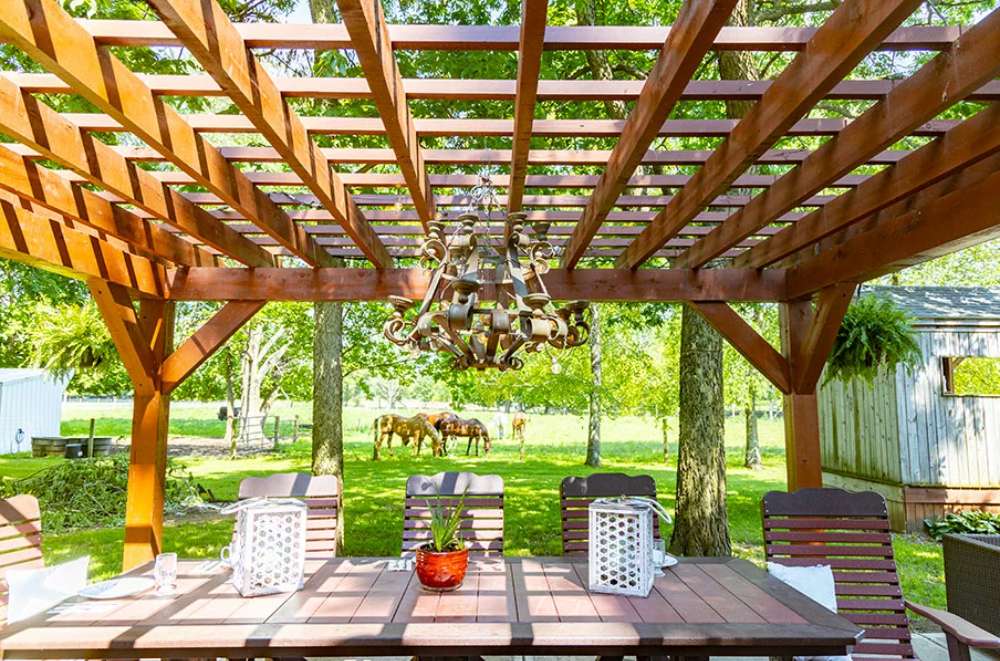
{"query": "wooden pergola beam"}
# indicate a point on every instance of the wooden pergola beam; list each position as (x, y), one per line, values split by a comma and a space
(347, 284)
(365, 22)
(499, 38)
(48, 244)
(570, 157)
(698, 22)
(480, 89)
(839, 44)
(964, 145)
(198, 348)
(747, 341)
(68, 50)
(965, 215)
(49, 135)
(26, 179)
(500, 181)
(972, 60)
(435, 127)
(534, 14)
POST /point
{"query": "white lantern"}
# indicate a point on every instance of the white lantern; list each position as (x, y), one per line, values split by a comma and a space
(621, 545)
(268, 551)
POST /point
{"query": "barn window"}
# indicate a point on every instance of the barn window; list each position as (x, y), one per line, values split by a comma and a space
(966, 376)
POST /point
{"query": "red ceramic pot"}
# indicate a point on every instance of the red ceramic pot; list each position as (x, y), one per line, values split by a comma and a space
(442, 571)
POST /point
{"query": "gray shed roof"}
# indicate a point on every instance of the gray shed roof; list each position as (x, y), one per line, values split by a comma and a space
(945, 304)
(8, 374)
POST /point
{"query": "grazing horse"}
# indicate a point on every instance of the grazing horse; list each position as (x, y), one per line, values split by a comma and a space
(471, 428)
(517, 426)
(407, 428)
(436, 418)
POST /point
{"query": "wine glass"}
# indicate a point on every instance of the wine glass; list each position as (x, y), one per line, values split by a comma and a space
(165, 573)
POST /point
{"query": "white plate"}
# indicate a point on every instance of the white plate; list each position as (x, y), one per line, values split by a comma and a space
(116, 588)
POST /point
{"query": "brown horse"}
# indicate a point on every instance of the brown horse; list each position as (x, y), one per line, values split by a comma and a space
(416, 427)
(517, 426)
(472, 428)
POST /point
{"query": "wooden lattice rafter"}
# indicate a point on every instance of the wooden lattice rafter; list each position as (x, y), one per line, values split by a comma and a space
(849, 34)
(70, 52)
(365, 22)
(529, 63)
(973, 60)
(680, 55)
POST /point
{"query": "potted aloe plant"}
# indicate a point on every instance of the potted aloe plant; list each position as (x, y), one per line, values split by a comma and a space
(443, 561)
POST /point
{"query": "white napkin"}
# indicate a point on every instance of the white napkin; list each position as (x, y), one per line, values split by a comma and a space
(33, 591)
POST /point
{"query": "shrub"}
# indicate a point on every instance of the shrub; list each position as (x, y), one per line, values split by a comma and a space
(875, 335)
(90, 493)
(972, 522)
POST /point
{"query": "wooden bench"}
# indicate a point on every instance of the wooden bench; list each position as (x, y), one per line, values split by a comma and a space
(482, 516)
(321, 495)
(20, 541)
(576, 494)
(850, 533)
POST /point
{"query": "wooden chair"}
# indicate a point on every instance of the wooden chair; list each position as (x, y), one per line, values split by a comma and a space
(850, 533)
(322, 497)
(576, 494)
(20, 541)
(482, 519)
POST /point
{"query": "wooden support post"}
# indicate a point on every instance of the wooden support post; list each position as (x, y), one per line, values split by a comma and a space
(807, 336)
(144, 340)
(802, 448)
(148, 459)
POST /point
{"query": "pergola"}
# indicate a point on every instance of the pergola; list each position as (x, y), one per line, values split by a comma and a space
(208, 227)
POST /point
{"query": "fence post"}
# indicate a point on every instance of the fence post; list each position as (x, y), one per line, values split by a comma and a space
(295, 429)
(90, 439)
(277, 430)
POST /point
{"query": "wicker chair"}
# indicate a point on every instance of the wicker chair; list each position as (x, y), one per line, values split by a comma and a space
(482, 520)
(576, 494)
(20, 541)
(322, 498)
(850, 533)
(972, 578)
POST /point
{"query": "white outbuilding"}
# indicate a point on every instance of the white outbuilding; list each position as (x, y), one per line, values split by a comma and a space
(30, 405)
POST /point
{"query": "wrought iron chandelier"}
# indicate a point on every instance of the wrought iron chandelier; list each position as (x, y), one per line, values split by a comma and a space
(469, 266)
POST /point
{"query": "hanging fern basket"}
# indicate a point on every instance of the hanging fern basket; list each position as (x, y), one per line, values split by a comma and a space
(875, 336)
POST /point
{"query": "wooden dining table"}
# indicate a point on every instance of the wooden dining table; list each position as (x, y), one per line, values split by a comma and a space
(362, 607)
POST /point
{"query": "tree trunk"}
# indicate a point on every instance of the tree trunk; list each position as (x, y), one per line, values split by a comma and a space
(328, 397)
(665, 429)
(594, 430)
(230, 404)
(701, 527)
(751, 458)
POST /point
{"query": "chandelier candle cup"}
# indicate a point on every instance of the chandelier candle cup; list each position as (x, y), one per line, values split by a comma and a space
(622, 555)
(268, 551)
(453, 317)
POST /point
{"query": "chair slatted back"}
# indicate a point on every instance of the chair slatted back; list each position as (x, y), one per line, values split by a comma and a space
(482, 516)
(321, 495)
(576, 494)
(850, 533)
(20, 540)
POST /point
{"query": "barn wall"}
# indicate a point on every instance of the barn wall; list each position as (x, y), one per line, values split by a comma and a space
(859, 431)
(949, 441)
(33, 404)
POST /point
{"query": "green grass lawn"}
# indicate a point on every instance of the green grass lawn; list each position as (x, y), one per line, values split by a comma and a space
(374, 490)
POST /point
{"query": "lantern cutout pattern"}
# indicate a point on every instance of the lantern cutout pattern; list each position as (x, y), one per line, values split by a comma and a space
(268, 551)
(621, 545)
